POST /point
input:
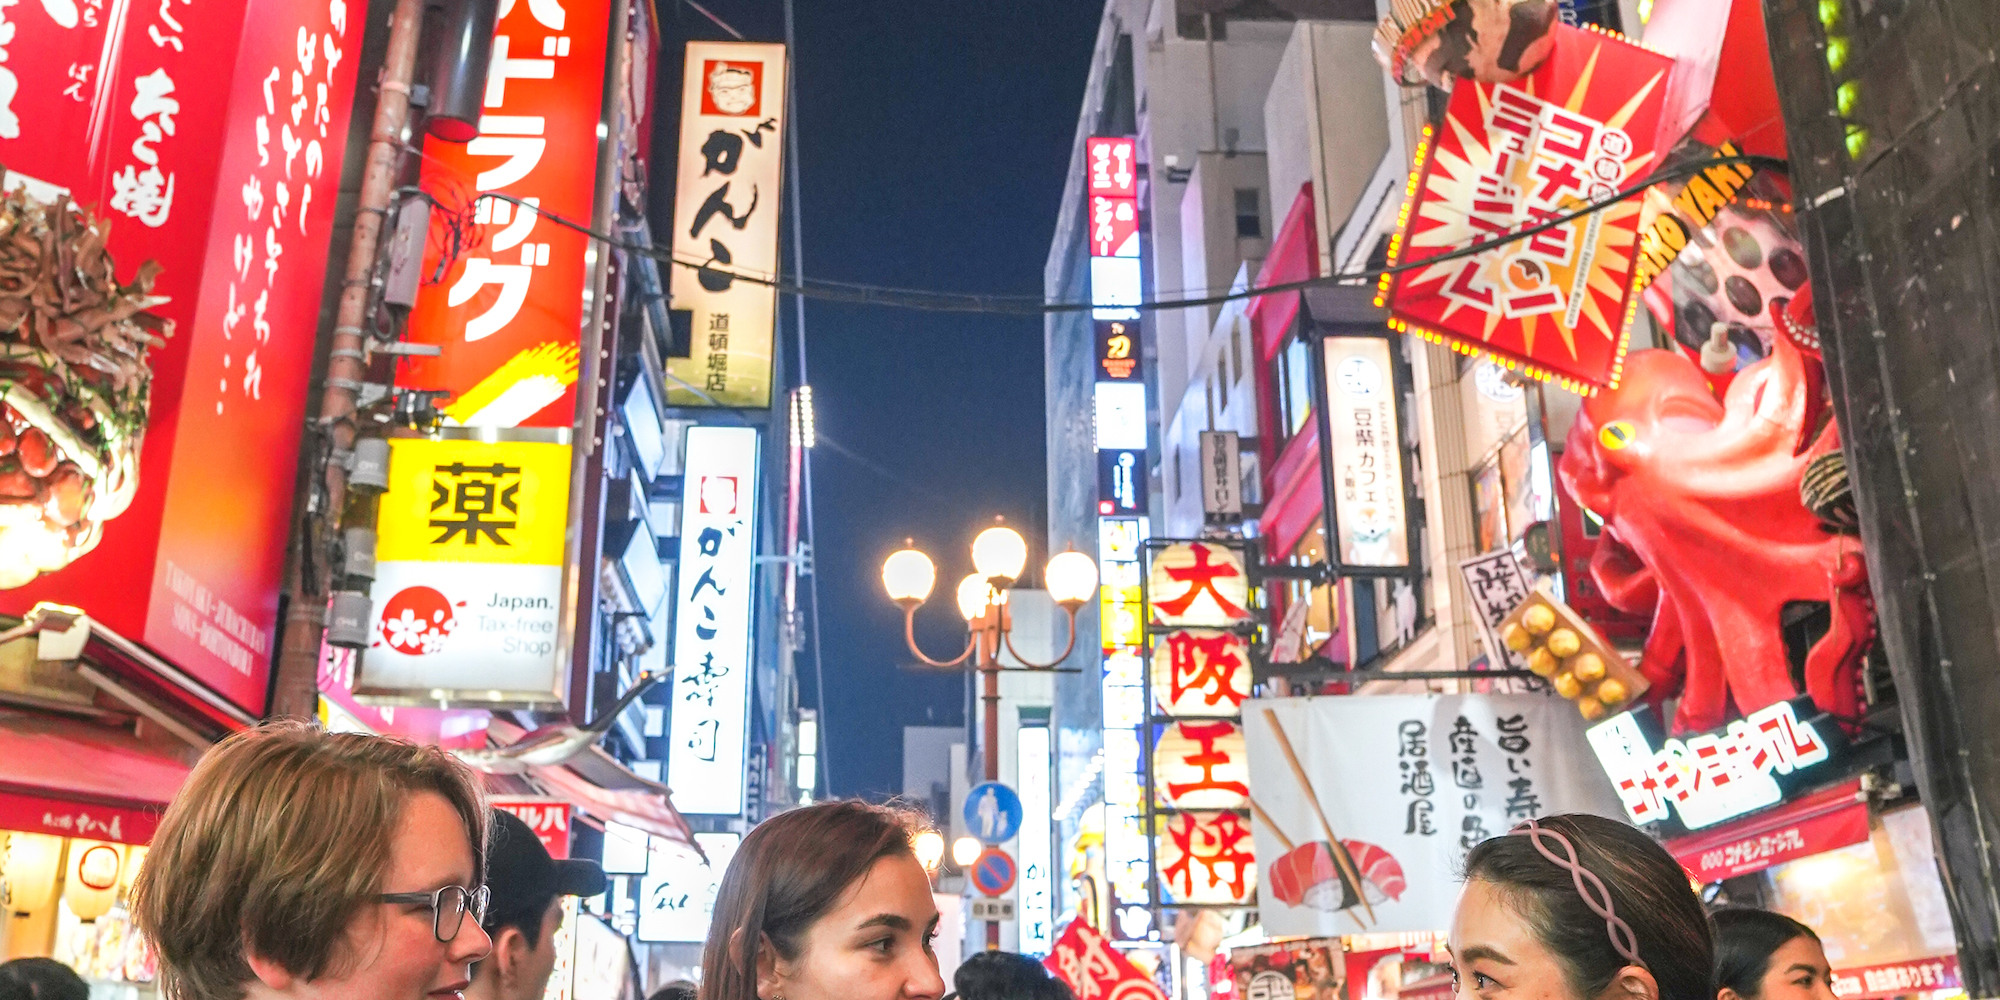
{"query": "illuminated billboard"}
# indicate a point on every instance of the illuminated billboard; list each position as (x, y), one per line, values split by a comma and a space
(712, 626)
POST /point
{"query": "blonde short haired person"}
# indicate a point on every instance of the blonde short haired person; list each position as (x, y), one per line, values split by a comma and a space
(298, 864)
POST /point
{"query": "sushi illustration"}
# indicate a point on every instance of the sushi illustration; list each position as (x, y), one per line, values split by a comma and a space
(1332, 875)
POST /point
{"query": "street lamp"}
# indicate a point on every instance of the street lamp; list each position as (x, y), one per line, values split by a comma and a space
(928, 846)
(965, 850)
(999, 555)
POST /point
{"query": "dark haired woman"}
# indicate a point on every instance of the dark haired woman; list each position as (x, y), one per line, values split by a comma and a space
(827, 902)
(1760, 955)
(1579, 908)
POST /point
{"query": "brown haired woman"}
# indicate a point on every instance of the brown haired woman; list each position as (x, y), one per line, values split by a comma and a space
(302, 864)
(824, 903)
(1579, 908)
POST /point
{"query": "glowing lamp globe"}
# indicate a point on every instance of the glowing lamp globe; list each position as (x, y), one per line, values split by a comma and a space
(975, 595)
(908, 576)
(965, 850)
(31, 865)
(929, 848)
(1000, 554)
(1071, 578)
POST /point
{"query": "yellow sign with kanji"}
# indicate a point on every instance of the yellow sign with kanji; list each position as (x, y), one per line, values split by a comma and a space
(475, 502)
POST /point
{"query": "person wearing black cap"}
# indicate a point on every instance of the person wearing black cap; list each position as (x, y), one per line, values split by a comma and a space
(527, 887)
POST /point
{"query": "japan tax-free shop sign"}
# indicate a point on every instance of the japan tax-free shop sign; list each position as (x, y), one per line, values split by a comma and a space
(468, 577)
(712, 628)
(209, 137)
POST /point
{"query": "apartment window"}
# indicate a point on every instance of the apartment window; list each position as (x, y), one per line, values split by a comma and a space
(1249, 214)
(1291, 374)
(1222, 378)
(1236, 348)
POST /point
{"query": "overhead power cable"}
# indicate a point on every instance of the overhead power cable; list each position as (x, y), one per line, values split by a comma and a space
(926, 300)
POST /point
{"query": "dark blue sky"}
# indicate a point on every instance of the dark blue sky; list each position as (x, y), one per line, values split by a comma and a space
(933, 140)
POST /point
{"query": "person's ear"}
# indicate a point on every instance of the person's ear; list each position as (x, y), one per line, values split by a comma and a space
(1633, 982)
(274, 976)
(510, 950)
(771, 973)
(1729, 993)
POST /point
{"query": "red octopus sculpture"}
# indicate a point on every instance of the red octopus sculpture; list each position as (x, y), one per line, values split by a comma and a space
(1705, 529)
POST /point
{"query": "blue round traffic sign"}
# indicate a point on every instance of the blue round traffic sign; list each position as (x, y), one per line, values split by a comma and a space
(993, 813)
(993, 873)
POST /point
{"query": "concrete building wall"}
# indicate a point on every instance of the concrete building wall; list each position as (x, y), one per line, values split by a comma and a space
(1325, 125)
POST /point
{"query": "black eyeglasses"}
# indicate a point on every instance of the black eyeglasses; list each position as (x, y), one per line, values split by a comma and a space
(449, 906)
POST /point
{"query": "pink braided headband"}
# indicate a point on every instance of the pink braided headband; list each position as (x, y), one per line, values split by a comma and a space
(1588, 885)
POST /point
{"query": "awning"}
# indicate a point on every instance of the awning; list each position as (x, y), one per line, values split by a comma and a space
(598, 784)
(1823, 821)
(79, 779)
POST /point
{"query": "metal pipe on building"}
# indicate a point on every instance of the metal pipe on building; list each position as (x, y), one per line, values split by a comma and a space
(295, 688)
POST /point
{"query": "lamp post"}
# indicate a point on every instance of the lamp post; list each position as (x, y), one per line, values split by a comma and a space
(999, 555)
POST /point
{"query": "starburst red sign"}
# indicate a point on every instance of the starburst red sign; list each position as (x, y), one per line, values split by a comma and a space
(1509, 157)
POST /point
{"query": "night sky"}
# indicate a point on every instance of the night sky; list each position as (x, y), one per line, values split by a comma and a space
(933, 140)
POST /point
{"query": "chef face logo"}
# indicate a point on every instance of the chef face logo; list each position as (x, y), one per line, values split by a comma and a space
(718, 494)
(732, 88)
(417, 621)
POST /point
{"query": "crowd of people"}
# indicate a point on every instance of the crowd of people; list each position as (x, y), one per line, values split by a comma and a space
(298, 864)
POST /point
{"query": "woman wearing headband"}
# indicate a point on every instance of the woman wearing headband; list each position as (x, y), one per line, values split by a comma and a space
(1579, 908)
(1760, 955)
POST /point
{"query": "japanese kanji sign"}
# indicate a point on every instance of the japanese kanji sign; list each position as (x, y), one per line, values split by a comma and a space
(1409, 783)
(1084, 959)
(677, 894)
(509, 311)
(468, 573)
(210, 136)
(1198, 584)
(1362, 420)
(1201, 765)
(1201, 673)
(1513, 155)
(726, 219)
(1497, 585)
(711, 707)
(1206, 858)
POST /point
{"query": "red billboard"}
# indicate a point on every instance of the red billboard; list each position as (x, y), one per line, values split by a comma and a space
(508, 311)
(1512, 156)
(210, 137)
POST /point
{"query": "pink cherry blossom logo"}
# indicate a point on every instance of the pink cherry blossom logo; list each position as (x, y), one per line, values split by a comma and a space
(417, 621)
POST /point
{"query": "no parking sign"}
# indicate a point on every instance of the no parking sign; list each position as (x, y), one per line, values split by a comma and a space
(994, 871)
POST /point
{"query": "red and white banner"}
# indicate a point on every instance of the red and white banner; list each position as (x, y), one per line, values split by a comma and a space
(65, 818)
(549, 818)
(1084, 959)
(1897, 979)
(509, 311)
(1818, 823)
(211, 136)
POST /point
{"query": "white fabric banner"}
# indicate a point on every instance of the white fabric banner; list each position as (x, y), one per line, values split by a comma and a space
(1406, 784)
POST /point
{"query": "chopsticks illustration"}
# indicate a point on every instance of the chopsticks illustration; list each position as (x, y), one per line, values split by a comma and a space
(1333, 841)
(1286, 842)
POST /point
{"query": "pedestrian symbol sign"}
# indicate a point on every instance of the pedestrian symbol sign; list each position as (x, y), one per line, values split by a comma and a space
(993, 813)
(993, 873)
